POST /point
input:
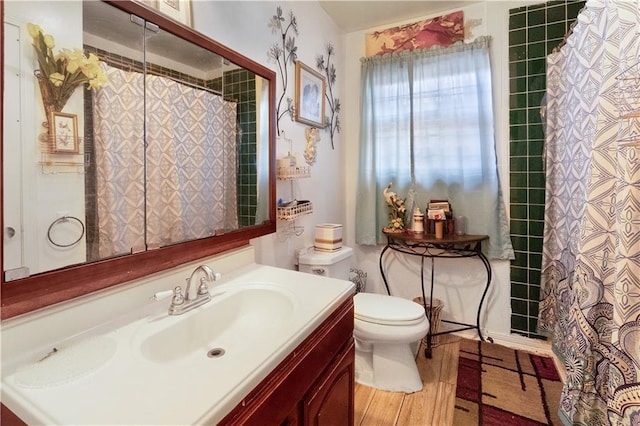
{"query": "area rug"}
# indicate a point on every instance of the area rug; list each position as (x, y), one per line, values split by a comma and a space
(501, 386)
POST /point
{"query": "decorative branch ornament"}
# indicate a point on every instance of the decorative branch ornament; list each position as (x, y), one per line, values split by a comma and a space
(329, 70)
(283, 53)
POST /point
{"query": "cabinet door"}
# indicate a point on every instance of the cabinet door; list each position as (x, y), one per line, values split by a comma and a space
(293, 419)
(330, 400)
(8, 418)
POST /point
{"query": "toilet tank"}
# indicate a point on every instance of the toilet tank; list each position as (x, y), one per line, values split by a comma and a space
(336, 264)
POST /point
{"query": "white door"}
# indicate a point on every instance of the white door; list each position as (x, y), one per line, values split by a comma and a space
(12, 154)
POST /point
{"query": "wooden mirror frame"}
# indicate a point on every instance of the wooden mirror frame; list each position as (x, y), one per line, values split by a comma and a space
(28, 294)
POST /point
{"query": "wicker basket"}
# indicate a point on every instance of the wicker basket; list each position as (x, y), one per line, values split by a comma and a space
(290, 213)
(433, 311)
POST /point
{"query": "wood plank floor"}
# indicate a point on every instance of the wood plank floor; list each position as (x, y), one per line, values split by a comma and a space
(433, 405)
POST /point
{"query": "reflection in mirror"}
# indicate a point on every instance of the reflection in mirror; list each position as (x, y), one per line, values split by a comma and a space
(174, 150)
(114, 134)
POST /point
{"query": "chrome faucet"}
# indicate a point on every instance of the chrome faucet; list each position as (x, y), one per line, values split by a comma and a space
(182, 303)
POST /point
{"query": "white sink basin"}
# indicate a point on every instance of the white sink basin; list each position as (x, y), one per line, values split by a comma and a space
(258, 315)
(235, 319)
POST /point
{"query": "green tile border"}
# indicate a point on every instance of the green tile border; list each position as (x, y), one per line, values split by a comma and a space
(534, 31)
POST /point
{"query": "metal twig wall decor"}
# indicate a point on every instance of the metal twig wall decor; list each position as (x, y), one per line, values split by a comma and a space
(283, 53)
(329, 70)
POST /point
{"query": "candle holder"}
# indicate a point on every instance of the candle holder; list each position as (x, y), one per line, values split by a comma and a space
(439, 229)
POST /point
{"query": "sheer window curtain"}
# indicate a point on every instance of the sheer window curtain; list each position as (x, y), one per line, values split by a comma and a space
(427, 127)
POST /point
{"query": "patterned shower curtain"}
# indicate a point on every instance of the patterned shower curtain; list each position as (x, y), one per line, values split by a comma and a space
(591, 256)
(190, 160)
(118, 132)
(191, 163)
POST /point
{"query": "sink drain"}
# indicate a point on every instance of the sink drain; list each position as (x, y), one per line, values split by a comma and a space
(215, 353)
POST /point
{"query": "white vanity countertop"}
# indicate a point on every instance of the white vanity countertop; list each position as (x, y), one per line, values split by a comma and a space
(115, 383)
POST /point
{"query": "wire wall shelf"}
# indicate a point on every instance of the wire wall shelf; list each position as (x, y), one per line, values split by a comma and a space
(290, 173)
(288, 212)
(288, 229)
(53, 161)
(292, 212)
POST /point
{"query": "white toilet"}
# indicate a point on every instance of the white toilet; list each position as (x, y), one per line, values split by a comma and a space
(387, 329)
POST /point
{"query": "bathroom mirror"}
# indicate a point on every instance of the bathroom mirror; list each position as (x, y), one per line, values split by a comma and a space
(169, 160)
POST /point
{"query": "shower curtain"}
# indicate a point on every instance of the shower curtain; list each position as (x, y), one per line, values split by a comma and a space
(183, 185)
(591, 257)
(191, 163)
(118, 131)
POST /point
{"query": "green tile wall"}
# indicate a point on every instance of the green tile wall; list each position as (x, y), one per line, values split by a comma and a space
(241, 86)
(534, 31)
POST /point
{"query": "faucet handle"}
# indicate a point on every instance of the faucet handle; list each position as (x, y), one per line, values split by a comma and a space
(203, 288)
(178, 298)
(161, 295)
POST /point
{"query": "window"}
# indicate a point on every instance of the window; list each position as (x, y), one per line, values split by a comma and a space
(427, 127)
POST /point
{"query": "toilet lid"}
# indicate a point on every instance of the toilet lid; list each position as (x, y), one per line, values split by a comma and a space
(388, 310)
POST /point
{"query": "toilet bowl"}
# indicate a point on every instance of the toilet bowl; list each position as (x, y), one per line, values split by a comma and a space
(387, 329)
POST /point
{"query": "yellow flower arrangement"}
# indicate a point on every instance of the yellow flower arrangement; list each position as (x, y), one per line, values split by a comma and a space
(59, 75)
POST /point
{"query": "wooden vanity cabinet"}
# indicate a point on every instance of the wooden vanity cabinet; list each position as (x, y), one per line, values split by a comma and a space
(312, 385)
(330, 400)
(8, 418)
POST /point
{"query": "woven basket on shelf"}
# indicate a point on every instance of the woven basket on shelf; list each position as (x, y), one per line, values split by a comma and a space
(433, 311)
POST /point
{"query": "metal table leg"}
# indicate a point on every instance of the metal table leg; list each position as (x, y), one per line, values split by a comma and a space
(487, 266)
(428, 349)
(384, 278)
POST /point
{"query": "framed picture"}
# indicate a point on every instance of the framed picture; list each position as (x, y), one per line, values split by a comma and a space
(310, 91)
(64, 132)
(180, 10)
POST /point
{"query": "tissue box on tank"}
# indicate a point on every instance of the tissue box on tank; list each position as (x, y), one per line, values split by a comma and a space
(328, 237)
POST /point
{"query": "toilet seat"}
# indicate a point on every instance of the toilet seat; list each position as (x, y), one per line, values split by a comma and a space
(387, 310)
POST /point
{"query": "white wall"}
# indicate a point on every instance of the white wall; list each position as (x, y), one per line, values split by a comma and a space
(244, 27)
(60, 189)
(457, 282)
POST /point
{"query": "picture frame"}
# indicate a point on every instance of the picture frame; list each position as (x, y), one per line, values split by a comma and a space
(310, 96)
(179, 10)
(64, 133)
